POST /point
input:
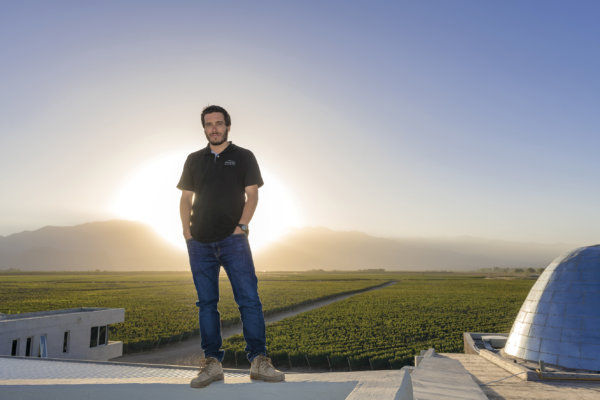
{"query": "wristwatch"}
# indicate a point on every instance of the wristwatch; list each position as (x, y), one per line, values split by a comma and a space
(244, 227)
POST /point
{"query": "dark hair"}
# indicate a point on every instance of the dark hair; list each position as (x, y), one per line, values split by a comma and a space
(213, 109)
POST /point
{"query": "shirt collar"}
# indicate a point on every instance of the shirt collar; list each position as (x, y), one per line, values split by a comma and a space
(208, 150)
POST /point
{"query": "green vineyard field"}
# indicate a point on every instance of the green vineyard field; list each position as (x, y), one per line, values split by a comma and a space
(383, 328)
(160, 306)
(386, 328)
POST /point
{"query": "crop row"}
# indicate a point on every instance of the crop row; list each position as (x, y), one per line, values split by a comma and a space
(160, 307)
(385, 328)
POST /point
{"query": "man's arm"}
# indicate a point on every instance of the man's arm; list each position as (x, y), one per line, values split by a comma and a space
(249, 207)
(185, 211)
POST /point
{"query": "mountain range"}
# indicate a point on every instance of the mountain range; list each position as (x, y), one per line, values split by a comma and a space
(321, 248)
(107, 245)
(126, 245)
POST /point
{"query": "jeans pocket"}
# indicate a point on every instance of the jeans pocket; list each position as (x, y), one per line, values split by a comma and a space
(188, 242)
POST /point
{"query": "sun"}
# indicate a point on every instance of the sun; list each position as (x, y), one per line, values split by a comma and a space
(148, 194)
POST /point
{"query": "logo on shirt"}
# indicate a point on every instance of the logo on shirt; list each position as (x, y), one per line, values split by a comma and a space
(230, 163)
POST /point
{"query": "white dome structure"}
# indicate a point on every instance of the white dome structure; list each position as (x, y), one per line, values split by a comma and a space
(559, 322)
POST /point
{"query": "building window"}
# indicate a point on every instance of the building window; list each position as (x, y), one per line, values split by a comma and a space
(15, 347)
(66, 342)
(102, 340)
(99, 336)
(94, 337)
(28, 346)
(43, 350)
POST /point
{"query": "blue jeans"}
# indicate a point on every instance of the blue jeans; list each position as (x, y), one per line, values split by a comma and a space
(233, 253)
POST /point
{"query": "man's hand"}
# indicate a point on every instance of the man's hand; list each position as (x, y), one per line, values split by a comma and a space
(238, 231)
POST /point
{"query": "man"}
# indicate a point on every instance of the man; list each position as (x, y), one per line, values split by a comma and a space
(219, 187)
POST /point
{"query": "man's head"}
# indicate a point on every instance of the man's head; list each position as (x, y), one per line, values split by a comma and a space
(218, 109)
(216, 122)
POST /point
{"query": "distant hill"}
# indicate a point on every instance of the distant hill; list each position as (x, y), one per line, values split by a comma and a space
(108, 245)
(125, 245)
(320, 248)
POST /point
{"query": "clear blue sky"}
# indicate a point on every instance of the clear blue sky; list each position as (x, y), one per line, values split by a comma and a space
(396, 118)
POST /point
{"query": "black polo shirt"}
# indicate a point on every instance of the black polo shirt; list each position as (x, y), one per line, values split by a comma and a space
(219, 183)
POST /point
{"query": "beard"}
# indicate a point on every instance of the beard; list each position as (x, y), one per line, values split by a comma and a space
(217, 141)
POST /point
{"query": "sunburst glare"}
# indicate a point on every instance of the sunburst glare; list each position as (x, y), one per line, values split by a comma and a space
(149, 195)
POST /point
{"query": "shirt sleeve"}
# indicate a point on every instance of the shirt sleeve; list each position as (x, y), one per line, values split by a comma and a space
(186, 182)
(253, 176)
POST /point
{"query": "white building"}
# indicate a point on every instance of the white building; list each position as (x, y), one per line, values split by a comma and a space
(76, 333)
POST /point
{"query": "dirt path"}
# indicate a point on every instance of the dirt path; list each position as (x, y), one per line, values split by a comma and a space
(188, 352)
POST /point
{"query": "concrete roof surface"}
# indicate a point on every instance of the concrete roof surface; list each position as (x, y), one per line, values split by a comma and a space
(499, 384)
(26, 379)
(33, 378)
